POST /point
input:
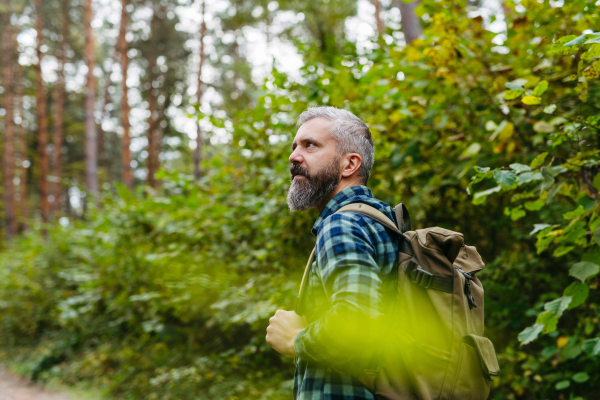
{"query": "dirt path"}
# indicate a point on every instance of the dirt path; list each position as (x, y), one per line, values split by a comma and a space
(13, 387)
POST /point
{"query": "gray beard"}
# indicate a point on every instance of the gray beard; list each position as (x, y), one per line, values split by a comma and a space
(312, 191)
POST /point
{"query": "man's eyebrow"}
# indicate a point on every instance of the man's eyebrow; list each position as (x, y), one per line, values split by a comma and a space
(308, 139)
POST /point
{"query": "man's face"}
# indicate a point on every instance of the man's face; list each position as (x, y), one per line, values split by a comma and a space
(315, 165)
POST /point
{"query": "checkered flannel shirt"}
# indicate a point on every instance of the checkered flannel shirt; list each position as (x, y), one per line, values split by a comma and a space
(348, 281)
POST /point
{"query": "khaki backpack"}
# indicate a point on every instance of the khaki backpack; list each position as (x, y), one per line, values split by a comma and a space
(434, 346)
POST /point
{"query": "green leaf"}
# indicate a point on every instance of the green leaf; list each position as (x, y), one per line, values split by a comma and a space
(535, 205)
(513, 94)
(505, 178)
(576, 41)
(550, 109)
(562, 384)
(513, 86)
(543, 127)
(578, 292)
(580, 377)
(562, 250)
(539, 227)
(595, 40)
(547, 179)
(539, 160)
(517, 213)
(518, 168)
(579, 211)
(531, 333)
(584, 270)
(596, 182)
(481, 170)
(558, 306)
(591, 346)
(540, 88)
(531, 100)
(472, 150)
(548, 320)
(529, 176)
(479, 198)
(557, 169)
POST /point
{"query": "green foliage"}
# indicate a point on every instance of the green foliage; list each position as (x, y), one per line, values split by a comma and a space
(166, 294)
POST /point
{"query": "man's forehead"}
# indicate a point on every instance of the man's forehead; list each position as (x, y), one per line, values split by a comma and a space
(316, 127)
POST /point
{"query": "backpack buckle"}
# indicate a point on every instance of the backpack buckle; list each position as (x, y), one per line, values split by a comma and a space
(421, 277)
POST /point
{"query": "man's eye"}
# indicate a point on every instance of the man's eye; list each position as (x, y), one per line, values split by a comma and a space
(309, 144)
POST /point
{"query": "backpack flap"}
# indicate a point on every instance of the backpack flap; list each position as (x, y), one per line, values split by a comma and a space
(469, 260)
(487, 354)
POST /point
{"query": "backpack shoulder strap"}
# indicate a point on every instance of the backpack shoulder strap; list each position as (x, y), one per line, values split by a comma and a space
(370, 212)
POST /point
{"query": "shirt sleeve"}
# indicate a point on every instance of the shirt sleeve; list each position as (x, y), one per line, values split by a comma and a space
(352, 282)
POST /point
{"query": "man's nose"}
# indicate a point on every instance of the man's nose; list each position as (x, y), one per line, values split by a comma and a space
(296, 157)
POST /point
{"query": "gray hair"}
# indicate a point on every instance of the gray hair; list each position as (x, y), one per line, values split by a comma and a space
(352, 135)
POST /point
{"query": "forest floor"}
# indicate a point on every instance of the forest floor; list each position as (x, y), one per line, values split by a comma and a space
(13, 387)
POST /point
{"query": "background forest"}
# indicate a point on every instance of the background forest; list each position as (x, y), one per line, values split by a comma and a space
(146, 238)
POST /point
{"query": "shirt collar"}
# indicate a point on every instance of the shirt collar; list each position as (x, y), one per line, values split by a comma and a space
(346, 196)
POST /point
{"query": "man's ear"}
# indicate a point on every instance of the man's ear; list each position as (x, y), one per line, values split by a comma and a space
(351, 164)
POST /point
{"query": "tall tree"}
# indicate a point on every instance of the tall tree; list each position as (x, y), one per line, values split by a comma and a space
(41, 114)
(125, 140)
(22, 135)
(91, 148)
(198, 150)
(152, 94)
(411, 24)
(8, 53)
(380, 25)
(59, 104)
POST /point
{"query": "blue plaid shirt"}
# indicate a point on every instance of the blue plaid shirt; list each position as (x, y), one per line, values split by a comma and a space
(347, 284)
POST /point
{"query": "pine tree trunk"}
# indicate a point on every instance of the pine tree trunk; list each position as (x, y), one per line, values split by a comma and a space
(59, 106)
(22, 134)
(42, 121)
(152, 159)
(8, 55)
(410, 23)
(91, 150)
(380, 25)
(198, 150)
(125, 141)
(102, 159)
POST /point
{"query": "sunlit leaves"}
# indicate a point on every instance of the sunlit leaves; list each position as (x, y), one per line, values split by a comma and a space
(530, 334)
(531, 100)
(538, 160)
(505, 178)
(513, 94)
(540, 88)
(584, 270)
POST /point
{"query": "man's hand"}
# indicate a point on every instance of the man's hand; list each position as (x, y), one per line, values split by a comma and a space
(282, 330)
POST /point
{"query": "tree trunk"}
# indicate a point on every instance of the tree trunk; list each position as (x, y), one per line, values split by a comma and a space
(198, 150)
(102, 159)
(411, 24)
(42, 121)
(8, 52)
(152, 159)
(59, 106)
(22, 134)
(91, 150)
(380, 25)
(125, 140)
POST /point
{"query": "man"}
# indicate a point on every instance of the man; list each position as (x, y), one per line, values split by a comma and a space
(352, 274)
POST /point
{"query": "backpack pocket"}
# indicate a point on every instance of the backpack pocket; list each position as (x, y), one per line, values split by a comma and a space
(476, 367)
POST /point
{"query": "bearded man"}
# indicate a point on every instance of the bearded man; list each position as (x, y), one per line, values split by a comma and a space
(351, 277)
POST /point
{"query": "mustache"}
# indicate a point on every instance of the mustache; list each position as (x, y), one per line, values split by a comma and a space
(296, 169)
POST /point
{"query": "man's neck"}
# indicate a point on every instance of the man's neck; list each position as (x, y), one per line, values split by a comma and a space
(342, 185)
